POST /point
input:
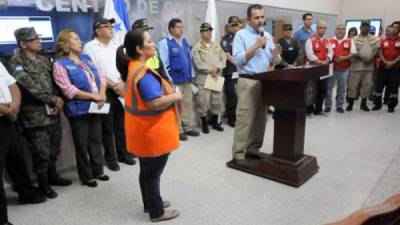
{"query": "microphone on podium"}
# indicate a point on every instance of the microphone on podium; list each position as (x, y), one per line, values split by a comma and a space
(261, 32)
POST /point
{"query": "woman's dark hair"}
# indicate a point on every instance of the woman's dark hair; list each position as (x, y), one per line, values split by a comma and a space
(173, 22)
(353, 29)
(127, 51)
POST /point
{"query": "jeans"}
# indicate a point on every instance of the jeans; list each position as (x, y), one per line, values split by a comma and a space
(341, 77)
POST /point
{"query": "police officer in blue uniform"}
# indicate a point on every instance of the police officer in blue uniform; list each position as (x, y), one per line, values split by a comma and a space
(230, 70)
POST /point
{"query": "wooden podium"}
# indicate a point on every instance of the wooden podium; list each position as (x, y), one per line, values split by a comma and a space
(290, 92)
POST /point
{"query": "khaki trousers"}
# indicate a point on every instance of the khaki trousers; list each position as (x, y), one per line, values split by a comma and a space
(185, 123)
(360, 78)
(251, 118)
(205, 98)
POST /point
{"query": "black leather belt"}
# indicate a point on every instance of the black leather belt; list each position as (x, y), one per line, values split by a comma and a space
(247, 76)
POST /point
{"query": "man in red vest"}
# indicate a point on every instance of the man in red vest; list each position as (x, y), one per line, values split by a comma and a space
(389, 70)
(319, 52)
(343, 50)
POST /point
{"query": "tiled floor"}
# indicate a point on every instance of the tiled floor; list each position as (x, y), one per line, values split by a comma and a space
(358, 154)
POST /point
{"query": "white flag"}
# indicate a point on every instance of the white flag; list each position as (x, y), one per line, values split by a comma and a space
(116, 9)
(212, 18)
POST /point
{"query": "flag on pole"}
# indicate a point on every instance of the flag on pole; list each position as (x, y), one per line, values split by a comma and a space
(212, 18)
(116, 9)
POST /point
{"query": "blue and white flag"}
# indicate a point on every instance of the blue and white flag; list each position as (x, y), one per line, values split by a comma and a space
(212, 18)
(116, 9)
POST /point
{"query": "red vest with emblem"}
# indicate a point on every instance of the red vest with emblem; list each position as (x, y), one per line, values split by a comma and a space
(320, 47)
(390, 49)
(149, 133)
(341, 49)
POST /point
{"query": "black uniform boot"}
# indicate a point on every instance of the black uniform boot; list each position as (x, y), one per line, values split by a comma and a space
(45, 187)
(55, 179)
(350, 105)
(363, 105)
(215, 124)
(204, 125)
(377, 103)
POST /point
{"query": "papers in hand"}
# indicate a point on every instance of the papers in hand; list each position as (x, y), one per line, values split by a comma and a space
(94, 108)
(214, 83)
(330, 72)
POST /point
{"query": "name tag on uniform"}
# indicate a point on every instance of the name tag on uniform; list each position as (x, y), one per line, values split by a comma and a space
(19, 68)
(316, 45)
(290, 49)
(235, 75)
(346, 45)
(386, 44)
(94, 87)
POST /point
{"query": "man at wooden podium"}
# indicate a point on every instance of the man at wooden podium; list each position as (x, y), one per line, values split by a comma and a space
(253, 52)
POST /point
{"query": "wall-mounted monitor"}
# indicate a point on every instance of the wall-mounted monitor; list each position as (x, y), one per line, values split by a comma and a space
(42, 25)
(377, 23)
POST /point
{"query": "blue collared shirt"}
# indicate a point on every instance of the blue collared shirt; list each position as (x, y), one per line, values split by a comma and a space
(302, 35)
(259, 63)
(162, 47)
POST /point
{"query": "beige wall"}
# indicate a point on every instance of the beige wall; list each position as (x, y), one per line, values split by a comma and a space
(387, 10)
(320, 6)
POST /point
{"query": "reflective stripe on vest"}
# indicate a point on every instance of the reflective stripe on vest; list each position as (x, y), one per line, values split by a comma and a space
(135, 110)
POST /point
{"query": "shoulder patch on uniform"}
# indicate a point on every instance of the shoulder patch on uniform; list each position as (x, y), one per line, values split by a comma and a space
(19, 68)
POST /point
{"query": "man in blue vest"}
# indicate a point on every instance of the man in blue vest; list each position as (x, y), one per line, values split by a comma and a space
(177, 59)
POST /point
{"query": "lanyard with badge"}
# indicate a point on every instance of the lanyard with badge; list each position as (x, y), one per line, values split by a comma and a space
(93, 83)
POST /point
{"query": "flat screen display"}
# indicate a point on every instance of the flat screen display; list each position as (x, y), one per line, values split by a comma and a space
(377, 23)
(42, 25)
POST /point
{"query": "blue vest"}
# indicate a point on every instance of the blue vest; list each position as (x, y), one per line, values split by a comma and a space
(180, 61)
(78, 78)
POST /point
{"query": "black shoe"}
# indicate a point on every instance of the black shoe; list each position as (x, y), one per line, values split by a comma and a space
(192, 133)
(385, 101)
(391, 110)
(58, 181)
(166, 204)
(340, 110)
(204, 125)
(50, 193)
(89, 183)
(327, 109)
(183, 137)
(113, 166)
(376, 107)
(127, 161)
(34, 197)
(320, 113)
(242, 162)
(103, 177)
(216, 125)
(44, 186)
(253, 155)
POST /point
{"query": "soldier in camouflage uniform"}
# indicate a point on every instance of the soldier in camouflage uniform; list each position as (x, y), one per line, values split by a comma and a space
(40, 108)
(208, 59)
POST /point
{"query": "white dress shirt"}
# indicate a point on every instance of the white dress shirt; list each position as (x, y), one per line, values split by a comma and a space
(6, 80)
(104, 55)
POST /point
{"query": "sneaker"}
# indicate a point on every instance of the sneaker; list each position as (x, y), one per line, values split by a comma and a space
(328, 109)
(340, 110)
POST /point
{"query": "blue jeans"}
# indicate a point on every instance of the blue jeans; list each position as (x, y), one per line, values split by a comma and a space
(341, 77)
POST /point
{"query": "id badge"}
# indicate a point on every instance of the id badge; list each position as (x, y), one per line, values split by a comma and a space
(94, 87)
(346, 45)
(235, 75)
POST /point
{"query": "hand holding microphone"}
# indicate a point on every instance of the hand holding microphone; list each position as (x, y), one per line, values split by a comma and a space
(262, 40)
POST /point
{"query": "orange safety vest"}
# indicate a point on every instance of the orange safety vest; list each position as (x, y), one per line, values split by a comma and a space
(320, 47)
(149, 133)
(341, 49)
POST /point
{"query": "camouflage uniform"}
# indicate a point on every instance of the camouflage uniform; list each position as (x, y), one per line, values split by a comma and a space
(42, 131)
